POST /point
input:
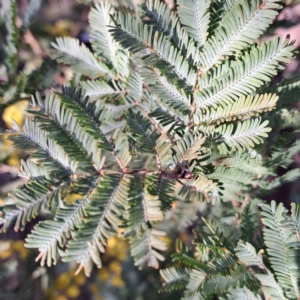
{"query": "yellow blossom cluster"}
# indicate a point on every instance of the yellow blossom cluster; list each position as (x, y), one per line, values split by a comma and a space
(9, 248)
(66, 286)
(18, 113)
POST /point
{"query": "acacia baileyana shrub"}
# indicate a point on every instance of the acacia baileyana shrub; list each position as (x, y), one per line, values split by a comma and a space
(172, 106)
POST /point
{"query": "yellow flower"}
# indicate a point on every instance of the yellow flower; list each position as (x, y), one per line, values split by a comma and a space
(14, 160)
(5, 254)
(80, 279)
(117, 281)
(50, 294)
(7, 145)
(73, 291)
(71, 198)
(63, 281)
(103, 274)
(167, 240)
(94, 288)
(15, 111)
(18, 246)
(111, 243)
(4, 245)
(115, 267)
(121, 255)
(184, 237)
(60, 297)
(5, 249)
(60, 28)
(116, 248)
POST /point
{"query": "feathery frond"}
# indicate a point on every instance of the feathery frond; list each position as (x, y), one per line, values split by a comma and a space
(102, 215)
(242, 294)
(276, 239)
(254, 69)
(243, 23)
(144, 210)
(246, 162)
(79, 57)
(288, 91)
(157, 14)
(247, 254)
(246, 135)
(167, 125)
(141, 129)
(102, 41)
(175, 279)
(248, 224)
(194, 16)
(98, 89)
(243, 108)
(135, 37)
(168, 93)
(42, 148)
(199, 190)
(58, 230)
(32, 198)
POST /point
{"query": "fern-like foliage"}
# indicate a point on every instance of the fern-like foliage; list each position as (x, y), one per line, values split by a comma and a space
(165, 91)
(16, 85)
(225, 260)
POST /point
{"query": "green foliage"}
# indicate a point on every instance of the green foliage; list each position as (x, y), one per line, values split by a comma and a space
(170, 107)
(31, 10)
(215, 266)
(16, 85)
